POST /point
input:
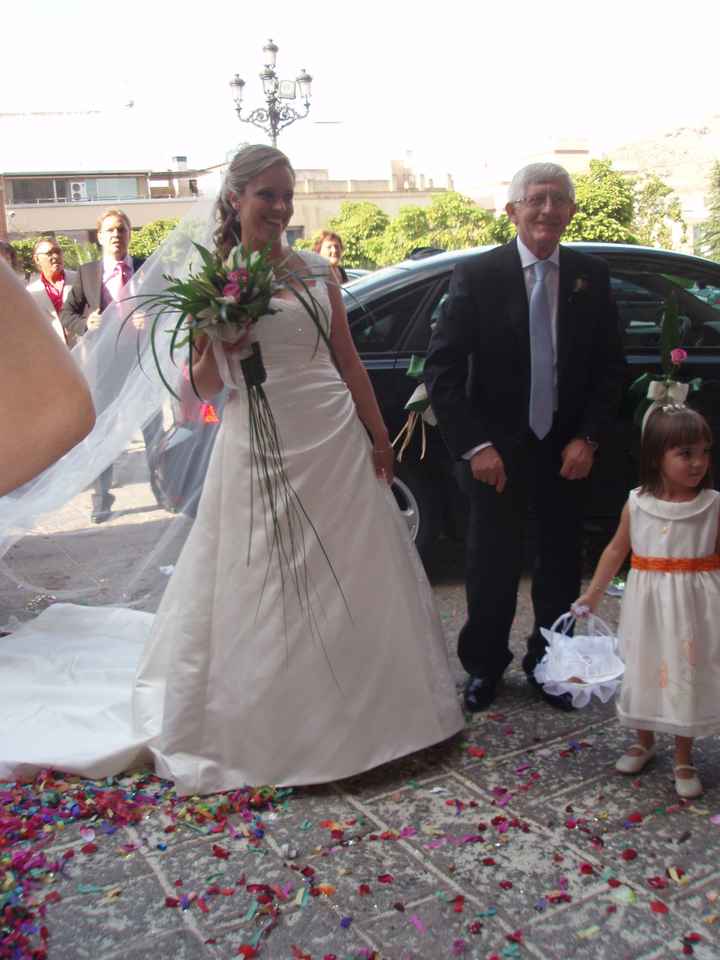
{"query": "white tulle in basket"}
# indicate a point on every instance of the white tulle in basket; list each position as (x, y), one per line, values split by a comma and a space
(581, 665)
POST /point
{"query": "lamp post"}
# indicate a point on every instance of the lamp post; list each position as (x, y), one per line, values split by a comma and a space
(276, 113)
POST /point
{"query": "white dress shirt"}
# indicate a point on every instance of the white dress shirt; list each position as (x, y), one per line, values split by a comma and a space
(552, 283)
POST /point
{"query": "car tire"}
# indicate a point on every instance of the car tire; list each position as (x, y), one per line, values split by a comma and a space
(416, 498)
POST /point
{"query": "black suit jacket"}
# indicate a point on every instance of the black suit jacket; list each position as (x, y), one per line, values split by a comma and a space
(85, 295)
(478, 365)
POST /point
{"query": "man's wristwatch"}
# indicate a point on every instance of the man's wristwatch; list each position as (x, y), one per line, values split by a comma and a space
(593, 444)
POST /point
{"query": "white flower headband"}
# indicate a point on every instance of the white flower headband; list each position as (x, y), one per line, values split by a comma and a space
(666, 395)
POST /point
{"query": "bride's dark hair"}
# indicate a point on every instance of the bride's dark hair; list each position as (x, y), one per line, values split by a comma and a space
(248, 163)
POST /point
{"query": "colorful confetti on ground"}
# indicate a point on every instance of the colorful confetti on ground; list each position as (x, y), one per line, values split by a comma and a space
(32, 815)
(477, 871)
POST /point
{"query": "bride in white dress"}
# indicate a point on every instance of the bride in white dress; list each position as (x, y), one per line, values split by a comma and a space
(244, 679)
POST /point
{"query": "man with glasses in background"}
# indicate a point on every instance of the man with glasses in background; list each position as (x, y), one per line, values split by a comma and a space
(51, 288)
(525, 371)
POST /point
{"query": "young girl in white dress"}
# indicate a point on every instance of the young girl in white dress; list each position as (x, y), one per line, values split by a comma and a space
(668, 630)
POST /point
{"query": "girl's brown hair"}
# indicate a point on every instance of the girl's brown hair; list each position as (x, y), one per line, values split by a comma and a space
(668, 427)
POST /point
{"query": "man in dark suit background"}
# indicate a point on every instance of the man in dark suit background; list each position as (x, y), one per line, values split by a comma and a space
(524, 372)
(96, 285)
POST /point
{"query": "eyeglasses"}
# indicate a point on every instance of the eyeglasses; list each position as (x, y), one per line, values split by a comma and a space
(538, 200)
(48, 253)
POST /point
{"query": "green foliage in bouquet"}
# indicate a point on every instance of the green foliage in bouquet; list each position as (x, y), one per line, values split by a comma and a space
(223, 299)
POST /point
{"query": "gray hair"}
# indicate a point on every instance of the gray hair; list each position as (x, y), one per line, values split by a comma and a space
(539, 173)
(246, 164)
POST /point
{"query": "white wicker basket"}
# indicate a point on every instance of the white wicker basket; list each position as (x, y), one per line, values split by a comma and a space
(580, 664)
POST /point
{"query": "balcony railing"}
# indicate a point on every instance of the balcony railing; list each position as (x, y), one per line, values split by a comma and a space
(15, 204)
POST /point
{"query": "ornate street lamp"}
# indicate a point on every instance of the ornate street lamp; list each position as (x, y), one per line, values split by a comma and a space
(276, 114)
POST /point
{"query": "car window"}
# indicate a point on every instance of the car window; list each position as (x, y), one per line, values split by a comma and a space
(642, 295)
(418, 336)
(379, 328)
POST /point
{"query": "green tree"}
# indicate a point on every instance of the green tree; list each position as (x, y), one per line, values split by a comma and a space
(145, 240)
(657, 208)
(457, 222)
(359, 223)
(710, 233)
(451, 222)
(502, 229)
(408, 230)
(303, 243)
(605, 206)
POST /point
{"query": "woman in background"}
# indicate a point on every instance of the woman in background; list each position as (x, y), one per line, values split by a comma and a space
(330, 247)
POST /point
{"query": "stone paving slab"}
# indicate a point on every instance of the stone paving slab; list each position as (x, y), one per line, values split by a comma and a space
(110, 866)
(314, 931)
(178, 945)
(93, 926)
(427, 929)
(544, 803)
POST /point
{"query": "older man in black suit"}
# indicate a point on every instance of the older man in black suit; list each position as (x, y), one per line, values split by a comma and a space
(525, 372)
(96, 285)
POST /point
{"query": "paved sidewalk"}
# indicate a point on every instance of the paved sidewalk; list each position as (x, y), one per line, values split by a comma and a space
(516, 839)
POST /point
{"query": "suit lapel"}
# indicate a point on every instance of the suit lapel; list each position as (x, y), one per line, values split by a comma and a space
(564, 312)
(92, 282)
(516, 297)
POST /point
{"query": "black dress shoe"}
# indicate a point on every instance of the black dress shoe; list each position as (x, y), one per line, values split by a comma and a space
(102, 513)
(479, 693)
(561, 701)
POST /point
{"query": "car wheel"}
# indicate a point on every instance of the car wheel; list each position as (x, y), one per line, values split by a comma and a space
(415, 497)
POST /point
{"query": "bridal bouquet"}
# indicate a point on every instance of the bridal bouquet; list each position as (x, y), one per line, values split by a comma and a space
(223, 301)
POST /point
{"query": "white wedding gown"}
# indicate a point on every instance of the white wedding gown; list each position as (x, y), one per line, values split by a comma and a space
(232, 682)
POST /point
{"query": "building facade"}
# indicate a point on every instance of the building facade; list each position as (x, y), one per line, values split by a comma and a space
(70, 202)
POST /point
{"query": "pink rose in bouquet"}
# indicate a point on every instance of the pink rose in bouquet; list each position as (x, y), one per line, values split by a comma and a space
(678, 355)
(231, 290)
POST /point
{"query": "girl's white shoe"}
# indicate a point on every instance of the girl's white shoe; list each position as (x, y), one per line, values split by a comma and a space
(635, 762)
(687, 787)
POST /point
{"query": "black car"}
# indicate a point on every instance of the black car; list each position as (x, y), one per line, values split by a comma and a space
(391, 312)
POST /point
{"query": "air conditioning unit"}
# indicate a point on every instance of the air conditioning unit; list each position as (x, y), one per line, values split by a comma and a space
(78, 190)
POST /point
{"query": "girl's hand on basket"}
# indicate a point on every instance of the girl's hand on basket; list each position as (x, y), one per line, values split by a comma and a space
(584, 605)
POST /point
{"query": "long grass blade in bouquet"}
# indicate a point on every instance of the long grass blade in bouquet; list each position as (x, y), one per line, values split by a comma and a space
(223, 299)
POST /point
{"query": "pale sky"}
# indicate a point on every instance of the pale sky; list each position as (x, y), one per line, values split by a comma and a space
(470, 88)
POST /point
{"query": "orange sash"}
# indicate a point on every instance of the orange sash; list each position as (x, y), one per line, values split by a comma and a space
(676, 564)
